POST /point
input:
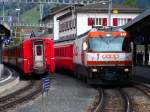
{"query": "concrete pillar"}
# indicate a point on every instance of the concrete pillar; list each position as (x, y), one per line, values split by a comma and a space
(134, 54)
(1, 65)
(146, 52)
(1, 70)
(0, 50)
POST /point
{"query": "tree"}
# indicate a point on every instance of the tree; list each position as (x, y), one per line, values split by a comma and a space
(133, 3)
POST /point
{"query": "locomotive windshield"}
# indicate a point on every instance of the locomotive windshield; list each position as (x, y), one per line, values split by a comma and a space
(109, 44)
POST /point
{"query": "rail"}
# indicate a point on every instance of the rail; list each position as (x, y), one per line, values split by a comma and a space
(127, 100)
(100, 106)
(25, 94)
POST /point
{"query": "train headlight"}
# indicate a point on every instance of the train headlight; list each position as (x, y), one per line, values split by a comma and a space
(123, 34)
(126, 70)
(94, 70)
(108, 35)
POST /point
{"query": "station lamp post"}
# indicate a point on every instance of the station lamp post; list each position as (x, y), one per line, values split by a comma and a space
(18, 11)
(3, 11)
(109, 12)
(109, 9)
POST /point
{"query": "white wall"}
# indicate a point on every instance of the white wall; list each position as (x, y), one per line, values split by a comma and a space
(82, 24)
(82, 20)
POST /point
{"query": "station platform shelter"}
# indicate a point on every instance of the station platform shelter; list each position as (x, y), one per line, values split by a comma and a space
(4, 31)
(139, 29)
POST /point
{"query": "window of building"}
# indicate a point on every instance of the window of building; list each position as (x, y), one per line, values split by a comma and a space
(97, 22)
(67, 25)
(120, 21)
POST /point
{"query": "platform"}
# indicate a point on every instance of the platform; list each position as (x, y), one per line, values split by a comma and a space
(66, 94)
(8, 79)
(142, 73)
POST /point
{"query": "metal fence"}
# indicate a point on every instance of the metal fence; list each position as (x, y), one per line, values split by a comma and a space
(27, 24)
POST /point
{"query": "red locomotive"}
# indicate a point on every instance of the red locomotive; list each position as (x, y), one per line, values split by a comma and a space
(96, 54)
(32, 55)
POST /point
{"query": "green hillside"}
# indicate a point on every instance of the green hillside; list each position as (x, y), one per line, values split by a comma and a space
(28, 12)
(1, 13)
(31, 16)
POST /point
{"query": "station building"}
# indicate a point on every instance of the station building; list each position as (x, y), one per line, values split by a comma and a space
(139, 30)
(70, 21)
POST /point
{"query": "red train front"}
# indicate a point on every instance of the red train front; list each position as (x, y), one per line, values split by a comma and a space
(34, 55)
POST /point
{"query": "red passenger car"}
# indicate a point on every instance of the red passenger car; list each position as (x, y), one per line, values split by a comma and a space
(34, 55)
(64, 55)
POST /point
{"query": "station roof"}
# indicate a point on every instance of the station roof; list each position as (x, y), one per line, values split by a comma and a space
(103, 8)
(4, 29)
(95, 8)
(139, 25)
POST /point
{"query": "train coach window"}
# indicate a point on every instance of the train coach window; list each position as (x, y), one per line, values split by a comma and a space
(39, 50)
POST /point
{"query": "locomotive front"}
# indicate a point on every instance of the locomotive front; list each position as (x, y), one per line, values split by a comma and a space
(107, 55)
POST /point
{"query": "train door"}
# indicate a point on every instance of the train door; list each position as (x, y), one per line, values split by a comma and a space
(38, 55)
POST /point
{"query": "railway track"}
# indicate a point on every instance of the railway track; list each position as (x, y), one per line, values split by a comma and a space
(143, 88)
(133, 98)
(25, 94)
(100, 103)
(109, 101)
(140, 96)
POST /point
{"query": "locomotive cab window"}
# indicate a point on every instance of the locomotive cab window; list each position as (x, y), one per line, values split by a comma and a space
(105, 44)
